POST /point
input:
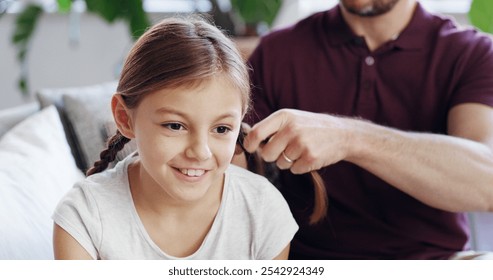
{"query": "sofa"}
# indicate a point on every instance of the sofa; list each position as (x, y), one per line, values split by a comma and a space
(46, 146)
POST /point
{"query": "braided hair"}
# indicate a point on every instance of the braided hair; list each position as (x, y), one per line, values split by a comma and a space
(108, 155)
(257, 165)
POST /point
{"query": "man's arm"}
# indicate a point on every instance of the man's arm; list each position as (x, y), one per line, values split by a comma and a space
(453, 173)
(450, 172)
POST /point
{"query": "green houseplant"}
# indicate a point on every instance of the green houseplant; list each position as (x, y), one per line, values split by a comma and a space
(130, 11)
(256, 13)
(481, 15)
(248, 12)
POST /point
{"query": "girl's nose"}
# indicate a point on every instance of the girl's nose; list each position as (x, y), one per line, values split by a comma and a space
(199, 149)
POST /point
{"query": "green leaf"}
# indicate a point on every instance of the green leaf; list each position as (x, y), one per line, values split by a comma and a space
(137, 17)
(22, 83)
(21, 53)
(25, 24)
(64, 5)
(107, 9)
(481, 15)
(132, 11)
(255, 11)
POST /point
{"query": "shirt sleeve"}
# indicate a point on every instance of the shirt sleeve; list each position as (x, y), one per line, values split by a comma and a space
(476, 65)
(277, 226)
(77, 213)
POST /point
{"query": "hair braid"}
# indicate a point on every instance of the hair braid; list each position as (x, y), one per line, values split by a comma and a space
(257, 165)
(114, 145)
(321, 201)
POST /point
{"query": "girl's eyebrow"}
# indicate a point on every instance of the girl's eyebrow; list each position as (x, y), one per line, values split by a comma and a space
(168, 110)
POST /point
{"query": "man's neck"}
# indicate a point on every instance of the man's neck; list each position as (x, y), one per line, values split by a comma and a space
(378, 30)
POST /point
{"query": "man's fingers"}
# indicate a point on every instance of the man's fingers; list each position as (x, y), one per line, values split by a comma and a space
(262, 131)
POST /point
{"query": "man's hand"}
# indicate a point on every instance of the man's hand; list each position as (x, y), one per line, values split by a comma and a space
(300, 141)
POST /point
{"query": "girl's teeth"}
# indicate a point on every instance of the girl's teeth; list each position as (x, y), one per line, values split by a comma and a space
(192, 172)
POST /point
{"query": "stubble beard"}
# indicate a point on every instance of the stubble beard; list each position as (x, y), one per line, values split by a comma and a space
(376, 8)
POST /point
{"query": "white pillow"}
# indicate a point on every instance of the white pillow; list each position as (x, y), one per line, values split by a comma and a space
(36, 170)
(12, 116)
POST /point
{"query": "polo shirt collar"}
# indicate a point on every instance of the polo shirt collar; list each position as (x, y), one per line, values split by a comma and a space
(410, 38)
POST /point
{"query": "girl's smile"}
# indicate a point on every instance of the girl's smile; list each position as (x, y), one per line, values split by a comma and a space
(190, 175)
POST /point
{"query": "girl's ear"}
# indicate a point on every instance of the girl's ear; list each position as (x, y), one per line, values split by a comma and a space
(122, 116)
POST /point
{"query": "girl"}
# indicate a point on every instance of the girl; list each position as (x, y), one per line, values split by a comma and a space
(182, 94)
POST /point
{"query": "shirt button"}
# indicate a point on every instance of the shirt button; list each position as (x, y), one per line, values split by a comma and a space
(369, 60)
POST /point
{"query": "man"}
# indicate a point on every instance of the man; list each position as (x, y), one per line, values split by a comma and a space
(393, 106)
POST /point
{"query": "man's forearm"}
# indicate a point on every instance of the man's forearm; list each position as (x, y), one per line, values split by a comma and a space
(445, 172)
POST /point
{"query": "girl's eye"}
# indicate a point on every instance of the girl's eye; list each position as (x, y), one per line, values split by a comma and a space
(173, 126)
(222, 129)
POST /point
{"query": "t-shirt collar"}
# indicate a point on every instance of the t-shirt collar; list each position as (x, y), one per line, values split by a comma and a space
(409, 39)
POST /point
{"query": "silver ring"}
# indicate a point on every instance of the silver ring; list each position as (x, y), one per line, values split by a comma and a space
(286, 157)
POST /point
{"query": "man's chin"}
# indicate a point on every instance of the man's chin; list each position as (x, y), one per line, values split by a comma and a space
(377, 8)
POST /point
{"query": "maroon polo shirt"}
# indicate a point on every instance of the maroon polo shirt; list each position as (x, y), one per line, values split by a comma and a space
(409, 83)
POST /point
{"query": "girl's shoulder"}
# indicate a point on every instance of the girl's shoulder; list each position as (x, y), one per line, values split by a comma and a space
(247, 182)
(111, 184)
(115, 175)
(236, 172)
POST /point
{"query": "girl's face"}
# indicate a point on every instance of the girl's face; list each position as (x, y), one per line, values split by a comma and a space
(186, 137)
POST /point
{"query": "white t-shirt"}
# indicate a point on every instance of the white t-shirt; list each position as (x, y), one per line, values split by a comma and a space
(253, 221)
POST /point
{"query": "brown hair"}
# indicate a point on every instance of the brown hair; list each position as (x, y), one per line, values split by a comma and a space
(173, 53)
(321, 202)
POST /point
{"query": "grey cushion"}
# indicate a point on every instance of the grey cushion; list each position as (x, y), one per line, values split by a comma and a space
(88, 113)
(88, 108)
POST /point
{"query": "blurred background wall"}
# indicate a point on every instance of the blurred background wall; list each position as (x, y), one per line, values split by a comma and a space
(84, 50)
